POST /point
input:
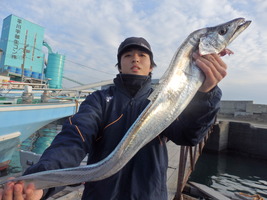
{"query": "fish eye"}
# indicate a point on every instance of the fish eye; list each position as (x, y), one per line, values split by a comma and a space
(223, 31)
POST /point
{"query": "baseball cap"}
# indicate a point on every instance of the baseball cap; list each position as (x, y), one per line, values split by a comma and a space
(134, 42)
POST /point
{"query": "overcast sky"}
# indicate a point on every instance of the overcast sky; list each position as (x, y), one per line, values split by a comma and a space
(88, 33)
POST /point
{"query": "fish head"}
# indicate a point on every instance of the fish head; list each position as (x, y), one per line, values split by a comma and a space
(217, 38)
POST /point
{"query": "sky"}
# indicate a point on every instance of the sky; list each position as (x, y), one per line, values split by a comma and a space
(88, 33)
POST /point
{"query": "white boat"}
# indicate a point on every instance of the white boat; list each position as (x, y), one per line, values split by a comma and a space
(19, 121)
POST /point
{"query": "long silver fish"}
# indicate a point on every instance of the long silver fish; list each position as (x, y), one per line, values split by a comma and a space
(176, 89)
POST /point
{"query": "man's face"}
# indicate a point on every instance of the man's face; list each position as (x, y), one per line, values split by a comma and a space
(135, 61)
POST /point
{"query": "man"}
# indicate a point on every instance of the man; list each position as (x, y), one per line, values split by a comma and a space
(106, 115)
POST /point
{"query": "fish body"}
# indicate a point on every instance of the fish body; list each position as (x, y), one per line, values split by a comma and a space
(177, 87)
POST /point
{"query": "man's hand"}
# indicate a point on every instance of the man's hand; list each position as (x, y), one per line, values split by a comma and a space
(214, 69)
(17, 191)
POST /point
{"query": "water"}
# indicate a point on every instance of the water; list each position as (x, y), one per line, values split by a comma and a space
(231, 173)
(226, 173)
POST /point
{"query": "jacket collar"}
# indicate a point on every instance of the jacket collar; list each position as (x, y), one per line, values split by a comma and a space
(133, 85)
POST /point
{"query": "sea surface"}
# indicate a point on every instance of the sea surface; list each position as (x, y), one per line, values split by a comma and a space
(227, 173)
(231, 174)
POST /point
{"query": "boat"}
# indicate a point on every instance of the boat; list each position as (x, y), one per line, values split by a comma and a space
(30, 85)
(18, 122)
(20, 119)
(27, 107)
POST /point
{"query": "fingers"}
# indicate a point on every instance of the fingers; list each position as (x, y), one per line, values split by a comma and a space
(30, 192)
(214, 69)
(12, 191)
(7, 192)
(212, 65)
(27, 193)
(18, 191)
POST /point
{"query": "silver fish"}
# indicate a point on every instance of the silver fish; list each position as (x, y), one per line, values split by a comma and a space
(176, 89)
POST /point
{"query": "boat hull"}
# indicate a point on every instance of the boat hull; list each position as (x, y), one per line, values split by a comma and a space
(18, 122)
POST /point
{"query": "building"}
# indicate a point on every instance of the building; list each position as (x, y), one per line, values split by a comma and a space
(21, 55)
(21, 48)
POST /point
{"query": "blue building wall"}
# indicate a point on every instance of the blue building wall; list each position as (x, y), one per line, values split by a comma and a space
(21, 41)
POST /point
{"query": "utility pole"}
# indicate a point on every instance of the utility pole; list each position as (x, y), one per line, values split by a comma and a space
(24, 56)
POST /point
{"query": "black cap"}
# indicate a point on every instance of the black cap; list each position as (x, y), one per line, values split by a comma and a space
(134, 41)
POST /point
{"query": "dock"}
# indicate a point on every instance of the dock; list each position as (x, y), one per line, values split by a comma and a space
(75, 193)
(182, 160)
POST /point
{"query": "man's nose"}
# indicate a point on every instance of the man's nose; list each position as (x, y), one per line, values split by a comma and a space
(136, 58)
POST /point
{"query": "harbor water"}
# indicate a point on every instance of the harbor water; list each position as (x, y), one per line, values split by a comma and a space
(231, 173)
(228, 173)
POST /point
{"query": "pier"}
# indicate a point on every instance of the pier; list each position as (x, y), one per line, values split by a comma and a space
(238, 129)
(174, 152)
(238, 136)
(227, 135)
(242, 128)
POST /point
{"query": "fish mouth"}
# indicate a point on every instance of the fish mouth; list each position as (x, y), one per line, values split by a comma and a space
(242, 25)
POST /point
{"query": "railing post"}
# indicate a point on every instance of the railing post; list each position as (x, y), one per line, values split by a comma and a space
(181, 172)
(184, 171)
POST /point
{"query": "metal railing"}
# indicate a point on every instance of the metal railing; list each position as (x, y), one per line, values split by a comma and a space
(187, 161)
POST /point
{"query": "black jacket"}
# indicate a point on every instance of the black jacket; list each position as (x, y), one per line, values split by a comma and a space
(103, 119)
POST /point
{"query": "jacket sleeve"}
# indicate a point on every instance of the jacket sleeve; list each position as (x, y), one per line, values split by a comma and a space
(193, 123)
(75, 140)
